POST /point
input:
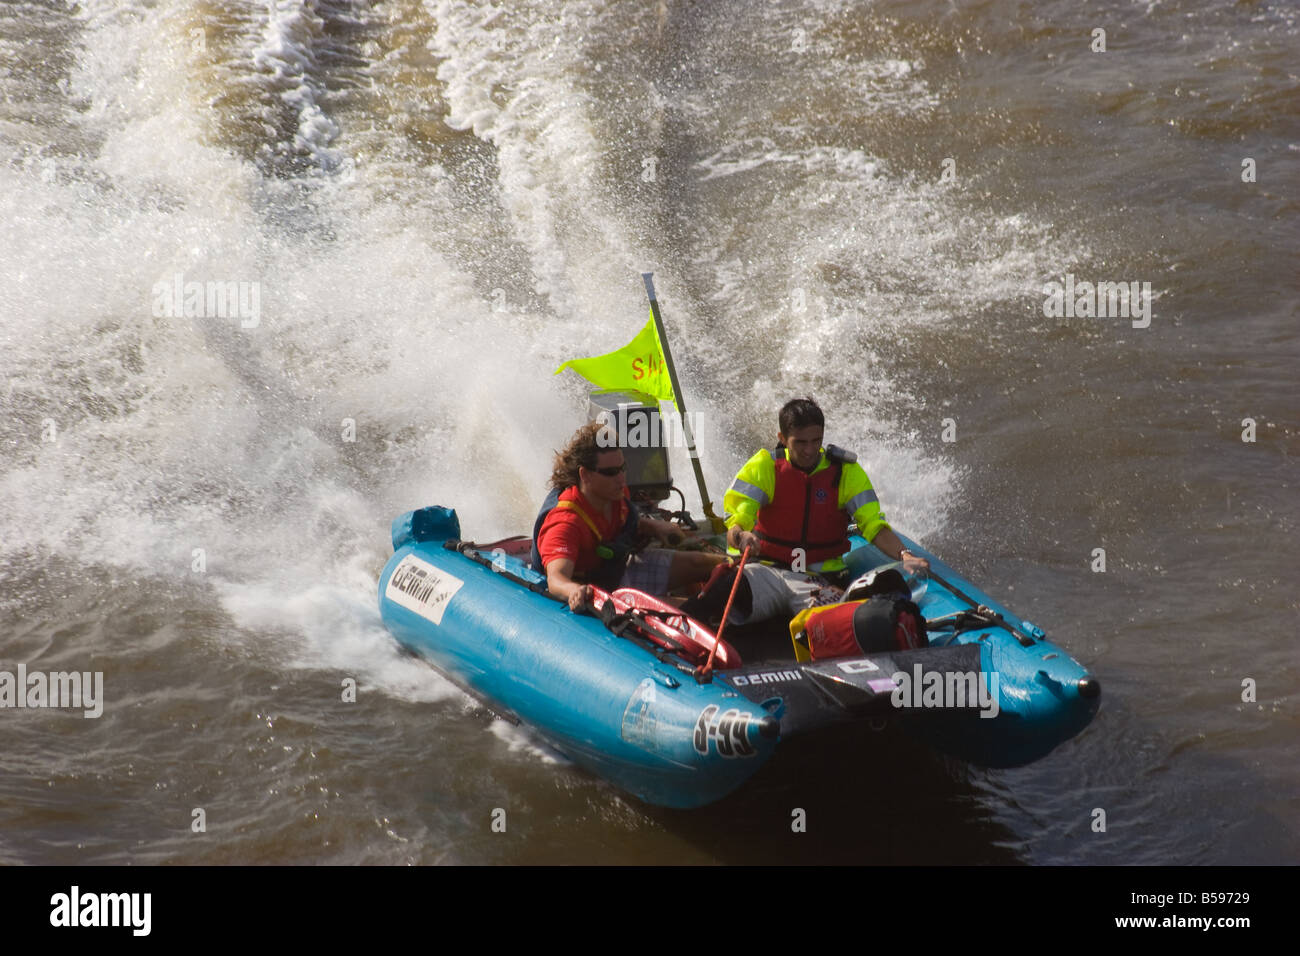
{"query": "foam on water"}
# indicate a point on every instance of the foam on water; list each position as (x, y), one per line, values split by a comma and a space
(288, 52)
(185, 435)
(513, 75)
(439, 201)
(519, 739)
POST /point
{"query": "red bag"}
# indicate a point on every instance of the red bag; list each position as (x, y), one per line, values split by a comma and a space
(881, 623)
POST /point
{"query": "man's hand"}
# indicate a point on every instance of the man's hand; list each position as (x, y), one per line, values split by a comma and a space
(892, 545)
(740, 539)
(665, 531)
(559, 581)
(579, 596)
(913, 562)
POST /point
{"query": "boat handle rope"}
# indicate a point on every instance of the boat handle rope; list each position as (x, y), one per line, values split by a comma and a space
(618, 622)
(471, 550)
(990, 616)
(980, 616)
(630, 625)
(982, 612)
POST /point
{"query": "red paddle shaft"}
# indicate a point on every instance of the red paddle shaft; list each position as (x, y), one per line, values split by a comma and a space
(705, 673)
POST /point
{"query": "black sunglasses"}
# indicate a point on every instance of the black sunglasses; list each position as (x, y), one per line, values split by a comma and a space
(612, 470)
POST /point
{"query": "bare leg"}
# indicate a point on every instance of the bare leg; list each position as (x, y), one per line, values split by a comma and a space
(692, 567)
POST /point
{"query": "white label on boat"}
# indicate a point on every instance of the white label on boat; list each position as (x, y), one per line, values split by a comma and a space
(857, 667)
(420, 587)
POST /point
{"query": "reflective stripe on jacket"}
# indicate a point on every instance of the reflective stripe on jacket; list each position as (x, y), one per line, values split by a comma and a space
(755, 503)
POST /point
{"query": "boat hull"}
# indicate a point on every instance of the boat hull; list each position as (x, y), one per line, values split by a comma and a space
(607, 703)
(637, 715)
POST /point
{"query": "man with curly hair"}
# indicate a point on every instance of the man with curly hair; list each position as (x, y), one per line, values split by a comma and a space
(586, 531)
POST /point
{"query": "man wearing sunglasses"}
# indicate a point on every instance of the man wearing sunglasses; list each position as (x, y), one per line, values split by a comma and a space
(586, 532)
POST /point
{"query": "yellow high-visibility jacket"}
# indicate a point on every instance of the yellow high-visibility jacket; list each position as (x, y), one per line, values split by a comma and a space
(755, 485)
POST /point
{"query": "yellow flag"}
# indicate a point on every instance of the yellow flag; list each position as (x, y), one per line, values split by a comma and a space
(639, 365)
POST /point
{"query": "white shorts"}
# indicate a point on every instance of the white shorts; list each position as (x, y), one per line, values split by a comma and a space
(781, 593)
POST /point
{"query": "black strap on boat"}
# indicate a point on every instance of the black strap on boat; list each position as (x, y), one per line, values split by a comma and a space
(986, 615)
(619, 622)
(630, 625)
(472, 551)
(980, 615)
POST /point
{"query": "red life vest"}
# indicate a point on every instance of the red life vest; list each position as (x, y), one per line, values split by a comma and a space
(804, 513)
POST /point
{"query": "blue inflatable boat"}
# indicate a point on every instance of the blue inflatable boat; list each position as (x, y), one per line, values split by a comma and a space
(626, 693)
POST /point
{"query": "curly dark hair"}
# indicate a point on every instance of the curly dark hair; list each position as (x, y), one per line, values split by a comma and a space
(581, 452)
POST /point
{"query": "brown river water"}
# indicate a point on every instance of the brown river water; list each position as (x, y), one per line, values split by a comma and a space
(419, 209)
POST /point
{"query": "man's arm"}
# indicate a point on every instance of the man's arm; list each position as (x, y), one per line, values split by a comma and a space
(860, 499)
(559, 581)
(752, 488)
(889, 543)
(558, 541)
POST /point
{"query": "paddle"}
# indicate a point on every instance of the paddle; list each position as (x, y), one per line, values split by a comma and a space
(704, 675)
